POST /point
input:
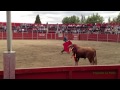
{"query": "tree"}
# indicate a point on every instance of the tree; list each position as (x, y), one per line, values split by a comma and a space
(71, 20)
(37, 21)
(114, 20)
(109, 20)
(95, 19)
(66, 20)
(82, 20)
(118, 18)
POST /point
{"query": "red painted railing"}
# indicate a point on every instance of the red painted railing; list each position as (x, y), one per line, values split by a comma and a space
(79, 72)
(89, 37)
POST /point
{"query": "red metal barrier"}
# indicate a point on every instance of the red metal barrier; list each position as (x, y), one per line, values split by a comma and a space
(89, 37)
(102, 37)
(112, 38)
(27, 35)
(92, 37)
(34, 35)
(72, 36)
(53, 36)
(41, 35)
(17, 35)
(77, 72)
(4, 35)
(49, 36)
(0, 35)
(59, 36)
(83, 37)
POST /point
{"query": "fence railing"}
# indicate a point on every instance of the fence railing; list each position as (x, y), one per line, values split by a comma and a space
(69, 72)
(88, 37)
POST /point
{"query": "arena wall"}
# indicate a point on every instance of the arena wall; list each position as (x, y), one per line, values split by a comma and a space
(81, 72)
(88, 37)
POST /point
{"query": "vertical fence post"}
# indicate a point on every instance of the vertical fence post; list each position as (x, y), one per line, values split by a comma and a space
(97, 36)
(51, 35)
(55, 36)
(117, 38)
(22, 34)
(2, 35)
(47, 31)
(87, 37)
(46, 35)
(37, 34)
(32, 34)
(107, 37)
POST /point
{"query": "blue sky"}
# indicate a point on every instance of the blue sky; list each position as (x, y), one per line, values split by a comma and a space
(52, 17)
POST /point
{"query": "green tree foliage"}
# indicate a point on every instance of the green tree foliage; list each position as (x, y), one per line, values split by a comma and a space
(71, 20)
(95, 19)
(109, 20)
(118, 18)
(65, 20)
(114, 20)
(82, 20)
(37, 21)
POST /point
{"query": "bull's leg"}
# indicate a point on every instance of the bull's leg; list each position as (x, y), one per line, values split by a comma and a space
(91, 60)
(74, 55)
(76, 61)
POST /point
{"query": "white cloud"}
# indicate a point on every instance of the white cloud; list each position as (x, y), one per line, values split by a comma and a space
(52, 17)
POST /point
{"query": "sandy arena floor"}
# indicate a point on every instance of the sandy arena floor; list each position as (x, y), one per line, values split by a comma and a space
(45, 53)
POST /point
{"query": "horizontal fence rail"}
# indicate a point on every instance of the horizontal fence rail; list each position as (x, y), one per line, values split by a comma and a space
(80, 72)
(54, 36)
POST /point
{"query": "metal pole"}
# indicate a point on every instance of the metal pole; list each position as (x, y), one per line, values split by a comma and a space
(9, 32)
(9, 55)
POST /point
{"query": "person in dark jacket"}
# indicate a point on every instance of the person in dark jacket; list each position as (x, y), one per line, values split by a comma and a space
(65, 39)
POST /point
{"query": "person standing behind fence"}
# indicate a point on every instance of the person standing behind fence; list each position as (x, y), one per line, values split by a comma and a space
(65, 39)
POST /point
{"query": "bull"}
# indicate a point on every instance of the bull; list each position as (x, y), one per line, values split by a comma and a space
(83, 52)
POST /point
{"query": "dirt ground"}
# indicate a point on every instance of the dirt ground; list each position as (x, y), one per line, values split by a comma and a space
(46, 53)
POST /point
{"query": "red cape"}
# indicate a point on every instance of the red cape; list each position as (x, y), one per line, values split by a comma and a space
(66, 44)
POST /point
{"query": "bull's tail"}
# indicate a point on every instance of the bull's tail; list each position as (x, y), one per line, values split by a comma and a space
(95, 58)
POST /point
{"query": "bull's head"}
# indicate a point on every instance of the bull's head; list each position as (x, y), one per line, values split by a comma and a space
(71, 47)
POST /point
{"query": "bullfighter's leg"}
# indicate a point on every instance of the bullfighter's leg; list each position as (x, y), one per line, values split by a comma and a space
(62, 51)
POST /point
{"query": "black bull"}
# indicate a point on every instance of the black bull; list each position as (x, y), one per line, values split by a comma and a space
(83, 52)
